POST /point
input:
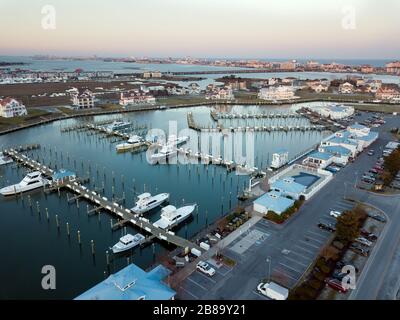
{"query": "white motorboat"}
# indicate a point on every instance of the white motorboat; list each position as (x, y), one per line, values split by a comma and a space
(171, 216)
(118, 126)
(177, 141)
(4, 159)
(31, 181)
(166, 151)
(128, 242)
(147, 202)
(133, 142)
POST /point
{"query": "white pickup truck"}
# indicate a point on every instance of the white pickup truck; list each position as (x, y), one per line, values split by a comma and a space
(273, 291)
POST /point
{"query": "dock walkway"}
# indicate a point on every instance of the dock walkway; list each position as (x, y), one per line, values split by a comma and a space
(104, 203)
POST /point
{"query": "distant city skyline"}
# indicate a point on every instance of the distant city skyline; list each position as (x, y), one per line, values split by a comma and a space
(252, 29)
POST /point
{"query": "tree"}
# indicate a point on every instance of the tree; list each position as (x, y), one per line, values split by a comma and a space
(347, 226)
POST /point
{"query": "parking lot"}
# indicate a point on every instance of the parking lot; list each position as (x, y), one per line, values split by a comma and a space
(283, 253)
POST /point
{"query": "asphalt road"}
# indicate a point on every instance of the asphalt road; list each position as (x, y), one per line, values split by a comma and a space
(285, 252)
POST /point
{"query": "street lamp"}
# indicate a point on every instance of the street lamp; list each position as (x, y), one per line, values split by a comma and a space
(269, 268)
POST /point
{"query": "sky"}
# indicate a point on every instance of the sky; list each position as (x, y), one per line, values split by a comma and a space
(344, 29)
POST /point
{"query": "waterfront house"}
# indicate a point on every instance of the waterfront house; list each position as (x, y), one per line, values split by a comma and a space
(133, 97)
(83, 100)
(341, 155)
(132, 283)
(388, 93)
(272, 201)
(10, 107)
(277, 93)
(219, 93)
(393, 67)
(346, 88)
(152, 74)
(335, 111)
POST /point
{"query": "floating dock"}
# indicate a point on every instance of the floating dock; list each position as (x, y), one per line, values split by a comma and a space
(102, 203)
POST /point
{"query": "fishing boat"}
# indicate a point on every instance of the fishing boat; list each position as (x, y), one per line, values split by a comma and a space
(147, 202)
(118, 126)
(31, 181)
(128, 242)
(171, 216)
(166, 152)
(177, 141)
(133, 142)
(5, 159)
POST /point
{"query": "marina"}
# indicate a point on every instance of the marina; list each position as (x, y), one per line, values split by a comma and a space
(121, 178)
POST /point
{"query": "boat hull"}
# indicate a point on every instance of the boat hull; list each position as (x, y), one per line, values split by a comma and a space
(15, 189)
(160, 200)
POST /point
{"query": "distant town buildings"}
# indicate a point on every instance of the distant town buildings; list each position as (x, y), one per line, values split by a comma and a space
(10, 107)
(393, 67)
(82, 100)
(277, 93)
(134, 97)
(318, 86)
(152, 74)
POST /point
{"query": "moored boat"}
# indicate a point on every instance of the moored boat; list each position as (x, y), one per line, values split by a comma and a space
(147, 202)
(128, 242)
(171, 216)
(33, 180)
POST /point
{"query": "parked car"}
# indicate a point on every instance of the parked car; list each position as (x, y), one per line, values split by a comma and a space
(379, 218)
(371, 152)
(273, 291)
(364, 241)
(335, 214)
(368, 235)
(327, 227)
(336, 285)
(373, 171)
(361, 251)
(339, 275)
(205, 268)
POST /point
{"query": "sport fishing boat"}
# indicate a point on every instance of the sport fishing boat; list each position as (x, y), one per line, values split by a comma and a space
(118, 126)
(171, 216)
(166, 151)
(128, 242)
(4, 159)
(133, 142)
(147, 202)
(177, 141)
(31, 181)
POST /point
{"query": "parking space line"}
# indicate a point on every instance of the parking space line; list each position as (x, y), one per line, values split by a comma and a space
(285, 273)
(296, 261)
(205, 277)
(224, 273)
(196, 283)
(291, 268)
(308, 251)
(187, 291)
(315, 240)
(309, 244)
(318, 235)
(301, 256)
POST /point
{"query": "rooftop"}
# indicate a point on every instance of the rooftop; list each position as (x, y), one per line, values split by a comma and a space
(274, 201)
(320, 155)
(288, 185)
(132, 283)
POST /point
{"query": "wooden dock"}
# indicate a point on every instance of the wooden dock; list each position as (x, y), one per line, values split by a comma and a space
(102, 203)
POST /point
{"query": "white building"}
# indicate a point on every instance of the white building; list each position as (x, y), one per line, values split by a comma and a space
(346, 88)
(335, 112)
(10, 107)
(218, 93)
(136, 97)
(277, 93)
(279, 159)
(84, 100)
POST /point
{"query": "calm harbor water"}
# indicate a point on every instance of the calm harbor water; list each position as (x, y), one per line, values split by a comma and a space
(30, 241)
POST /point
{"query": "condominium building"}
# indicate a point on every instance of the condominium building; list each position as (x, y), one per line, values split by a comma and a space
(133, 97)
(83, 100)
(277, 93)
(10, 107)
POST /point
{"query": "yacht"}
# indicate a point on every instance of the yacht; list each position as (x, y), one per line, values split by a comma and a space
(128, 242)
(166, 151)
(31, 181)
(177, 141)
(147, 202)
(133, 142)
(171, 216)
(118, 126)
(4, 159)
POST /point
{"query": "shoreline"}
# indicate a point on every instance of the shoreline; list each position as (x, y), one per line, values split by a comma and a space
(359, 106)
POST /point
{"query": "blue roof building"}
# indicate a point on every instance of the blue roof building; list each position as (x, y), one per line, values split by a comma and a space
(338, 150)
(324, 156)
(289, 187)
(132, 283)
(272, 201)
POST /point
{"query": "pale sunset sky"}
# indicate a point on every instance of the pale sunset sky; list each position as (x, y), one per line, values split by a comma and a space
(204, 28)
